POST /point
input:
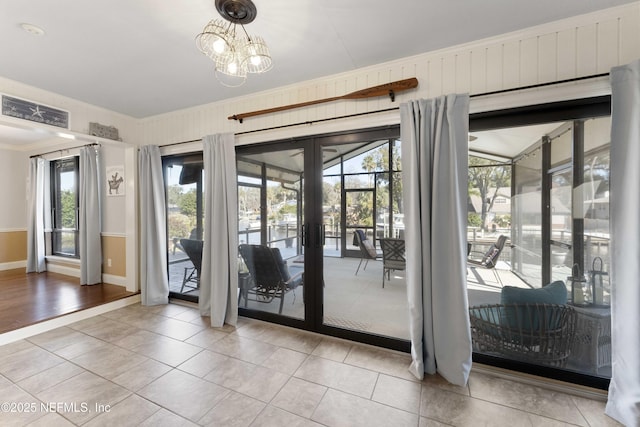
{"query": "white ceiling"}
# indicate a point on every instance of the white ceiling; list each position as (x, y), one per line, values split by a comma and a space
(138, 57)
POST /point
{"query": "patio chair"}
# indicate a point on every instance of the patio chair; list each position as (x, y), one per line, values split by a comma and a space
(488, 259)
(534, 333)
(270, 277)
(193, 249)
(392, 257)
(367, 250)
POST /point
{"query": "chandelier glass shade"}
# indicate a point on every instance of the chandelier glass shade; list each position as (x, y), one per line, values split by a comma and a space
(234, 53)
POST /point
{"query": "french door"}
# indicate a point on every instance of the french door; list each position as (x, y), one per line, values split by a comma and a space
(304, 199)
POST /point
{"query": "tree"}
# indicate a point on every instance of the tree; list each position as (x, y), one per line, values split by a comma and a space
(174, 193)
(473, 219)
(483, 178)
(369, 164)
(68, 202)
(179, 225)
(187, 203)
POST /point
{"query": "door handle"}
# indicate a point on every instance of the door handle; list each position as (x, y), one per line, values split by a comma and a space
(305, 235)
(318, 235)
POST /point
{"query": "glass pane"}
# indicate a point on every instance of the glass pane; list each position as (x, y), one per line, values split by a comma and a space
(595, 193)
(65, 242)
(185, 218)
(271, 258)
(65, 207)
(562, 146)
(331, 215)
(527, 218)
(354, 296)
(68, 199)
(588, 350)
(362, 180)
(249, 211)
(561, 224)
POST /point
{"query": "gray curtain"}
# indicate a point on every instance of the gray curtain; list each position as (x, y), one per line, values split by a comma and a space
(219, 280)
(90, 216)
(154, 283)
(35, 216)
(624, 390)
(434, 136)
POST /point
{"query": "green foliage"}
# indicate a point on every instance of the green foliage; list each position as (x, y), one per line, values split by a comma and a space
(68, 201)
(174, 193)
(288, 209)
(187, 203)
(483, 177)
(378, 160)
(360, 208)
(179, 225)
(503, 221)
(474, 220)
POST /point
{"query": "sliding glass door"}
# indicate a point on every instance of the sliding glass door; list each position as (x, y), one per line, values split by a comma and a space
(271, 224)
(303, 201)
(183, 176)
(559, 252)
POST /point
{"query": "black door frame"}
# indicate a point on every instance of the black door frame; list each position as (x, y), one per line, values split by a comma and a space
(313, 220)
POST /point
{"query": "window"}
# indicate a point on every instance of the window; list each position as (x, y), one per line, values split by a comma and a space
(559, 224)
(64, 207)
(184, 175)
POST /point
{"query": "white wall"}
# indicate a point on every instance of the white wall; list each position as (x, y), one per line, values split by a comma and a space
(114, 208)
(14, 169)
(580, 46)
(80, 113)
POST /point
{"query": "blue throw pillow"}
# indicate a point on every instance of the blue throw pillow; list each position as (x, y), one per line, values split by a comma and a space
(553, 293)
(527, 318)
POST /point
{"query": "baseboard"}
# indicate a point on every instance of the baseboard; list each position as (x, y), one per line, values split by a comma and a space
(62, 269)
(13, 265)
(548, 383)
(114, 280)
(47, 325)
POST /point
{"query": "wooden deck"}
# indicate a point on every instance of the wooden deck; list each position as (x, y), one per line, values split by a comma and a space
(26, 299)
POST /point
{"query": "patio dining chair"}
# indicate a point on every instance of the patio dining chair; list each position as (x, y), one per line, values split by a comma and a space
(392, 257)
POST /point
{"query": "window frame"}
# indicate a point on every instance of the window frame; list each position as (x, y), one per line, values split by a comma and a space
(56, 206)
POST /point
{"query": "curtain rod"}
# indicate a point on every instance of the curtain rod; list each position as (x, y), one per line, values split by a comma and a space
(496, 92)
(63, 149)
(309, 122)
(575, 79)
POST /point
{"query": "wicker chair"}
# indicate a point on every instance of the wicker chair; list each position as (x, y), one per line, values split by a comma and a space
(535, 333)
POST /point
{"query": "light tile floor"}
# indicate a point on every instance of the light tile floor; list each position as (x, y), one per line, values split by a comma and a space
(164, 366)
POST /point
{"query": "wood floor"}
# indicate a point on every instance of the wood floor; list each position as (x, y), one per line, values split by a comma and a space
(26, 299)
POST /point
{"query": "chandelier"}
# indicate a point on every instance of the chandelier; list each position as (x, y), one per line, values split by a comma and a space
(229, 46)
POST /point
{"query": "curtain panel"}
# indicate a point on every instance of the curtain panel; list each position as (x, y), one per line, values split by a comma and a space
(35, 216)
(624, 389)
(434, 136)
(90, 216)
(154, 283)
(219, 280)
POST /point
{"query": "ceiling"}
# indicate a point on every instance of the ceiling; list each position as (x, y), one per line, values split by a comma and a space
(138, 57)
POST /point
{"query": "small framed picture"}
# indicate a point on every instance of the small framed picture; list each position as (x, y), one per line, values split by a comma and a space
(115, 181)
